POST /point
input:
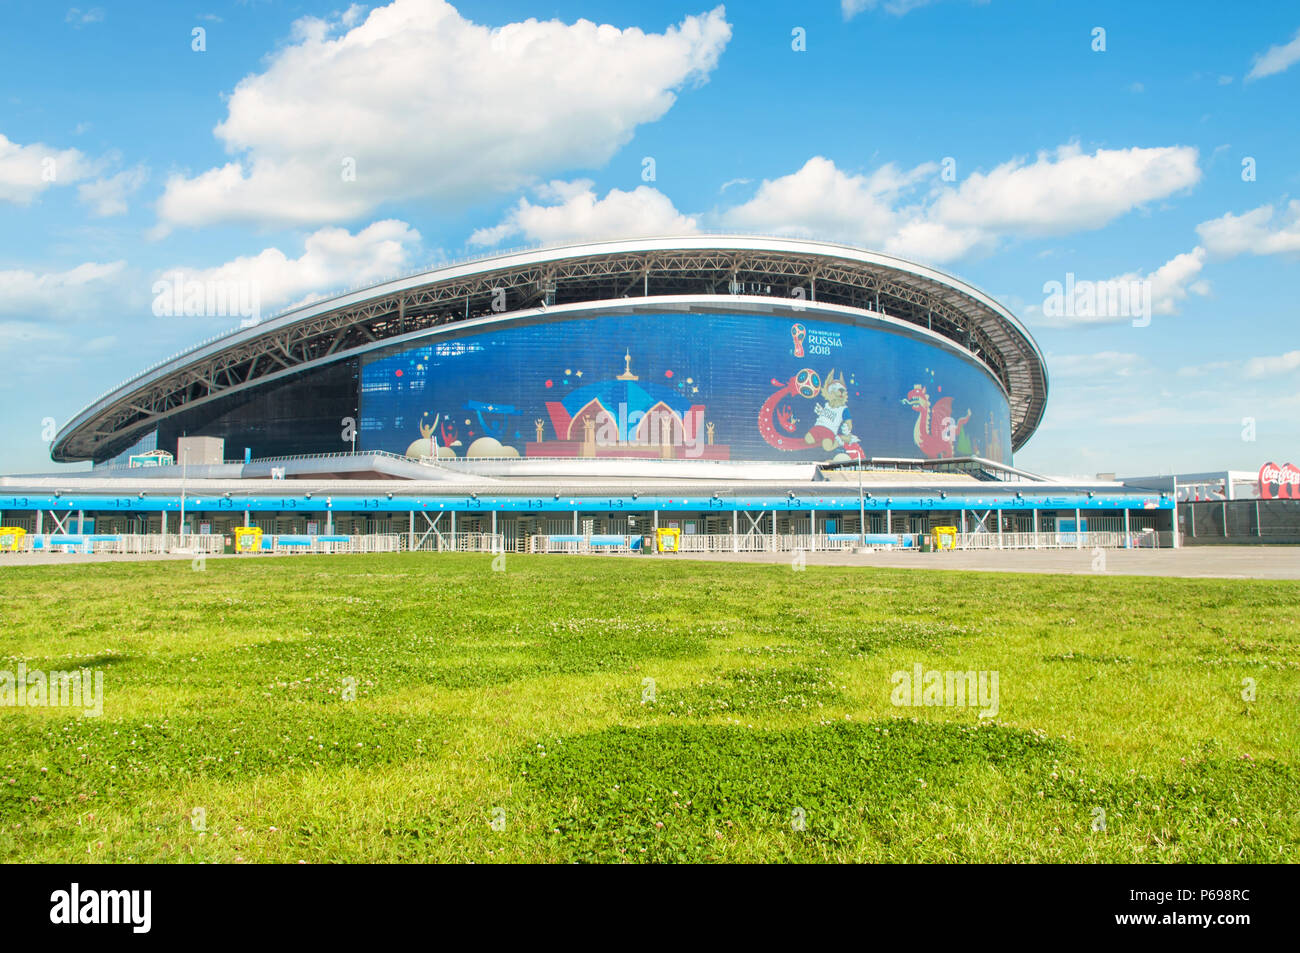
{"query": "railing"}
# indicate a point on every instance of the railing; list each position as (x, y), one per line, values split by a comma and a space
(846, 542)
(434, 542)
(121, 543)
(1057, 540)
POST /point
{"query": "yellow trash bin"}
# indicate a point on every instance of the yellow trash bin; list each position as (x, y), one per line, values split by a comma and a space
(668, 540)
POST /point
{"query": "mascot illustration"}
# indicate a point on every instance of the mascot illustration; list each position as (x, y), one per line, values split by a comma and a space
(832, 415)
(832, 429)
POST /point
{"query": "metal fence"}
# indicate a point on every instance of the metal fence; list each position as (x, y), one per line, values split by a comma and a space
(123, 543)
(1240, 521)
(849, 542)
(435, 542)
(1085, 540)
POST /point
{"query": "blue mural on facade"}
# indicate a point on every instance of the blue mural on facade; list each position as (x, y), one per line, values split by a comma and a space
(683, 386)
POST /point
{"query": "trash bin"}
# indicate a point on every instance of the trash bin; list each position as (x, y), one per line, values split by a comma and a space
(229, 547)
(927, 546)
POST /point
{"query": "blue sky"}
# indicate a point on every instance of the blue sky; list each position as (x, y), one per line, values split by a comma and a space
(127, 154)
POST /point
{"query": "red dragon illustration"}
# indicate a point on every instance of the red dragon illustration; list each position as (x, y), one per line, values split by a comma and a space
(772, 414)
(936, 429)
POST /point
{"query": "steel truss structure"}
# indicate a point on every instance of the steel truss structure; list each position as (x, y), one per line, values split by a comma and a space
(725, 267)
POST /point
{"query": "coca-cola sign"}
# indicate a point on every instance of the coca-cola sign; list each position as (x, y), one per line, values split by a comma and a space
(1279, 483)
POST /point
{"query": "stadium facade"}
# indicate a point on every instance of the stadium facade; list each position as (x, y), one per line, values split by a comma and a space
(691, 348)
(701, 376)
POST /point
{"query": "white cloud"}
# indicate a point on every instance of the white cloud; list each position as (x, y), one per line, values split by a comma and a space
(1249, 233)
(1103, 364)
(1123, 298)
(851, 8)
(1273, 365)
(431, 105)
(579, 215)
(1069, 190)
(1173, 281)
(79, 18)
(332, 259)
(27, 171)
(1253, 368)
(1059, 193)
(107, 197)
(57, 295)
(1275, 59)
(820, 200)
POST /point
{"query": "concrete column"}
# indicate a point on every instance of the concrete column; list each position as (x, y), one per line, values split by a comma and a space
(575, 522)
(812, 526)
(164, 522)
(246, 519)
(1078, 530)
(735, 531)
(999, 519)
(1035, 527)
(453, 530)
(889, 519)
(40, 522)
(1126, 538)
(81, 522)
(410, 544)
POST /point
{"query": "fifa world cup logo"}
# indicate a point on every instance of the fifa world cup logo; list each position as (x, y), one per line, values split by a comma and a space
(798, 332)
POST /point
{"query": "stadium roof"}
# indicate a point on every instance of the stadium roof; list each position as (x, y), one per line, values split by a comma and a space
(731, 266)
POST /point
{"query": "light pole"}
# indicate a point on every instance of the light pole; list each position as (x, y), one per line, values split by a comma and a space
(862, 509)
(185, 459)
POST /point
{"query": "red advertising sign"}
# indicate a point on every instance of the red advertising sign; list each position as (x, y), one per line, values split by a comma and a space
(1279, 483)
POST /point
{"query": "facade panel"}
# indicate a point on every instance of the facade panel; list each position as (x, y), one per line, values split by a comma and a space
(682, 386)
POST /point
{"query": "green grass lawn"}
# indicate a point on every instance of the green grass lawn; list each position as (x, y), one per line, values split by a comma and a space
(507, 716)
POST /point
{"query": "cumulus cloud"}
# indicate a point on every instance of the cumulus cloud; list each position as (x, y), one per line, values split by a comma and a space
(420, 102)
(1123, 298)
(1058, 193)
(1273, 365)
(332, 258)
(108, 196)
(851, 8)
(1173, 281)
(1275, 59)
(57, 295)
(1253, 232)
(577, 214)
(1090, 367)
(822, 200)
(79, 18)
(1068, 190)
(27, 171)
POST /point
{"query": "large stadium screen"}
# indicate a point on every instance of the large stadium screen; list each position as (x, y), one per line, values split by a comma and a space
(682, 386)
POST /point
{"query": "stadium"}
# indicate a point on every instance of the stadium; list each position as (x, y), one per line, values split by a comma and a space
(548, 396)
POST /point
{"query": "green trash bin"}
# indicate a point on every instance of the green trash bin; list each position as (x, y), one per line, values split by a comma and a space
(229, 547)
(927, 546)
